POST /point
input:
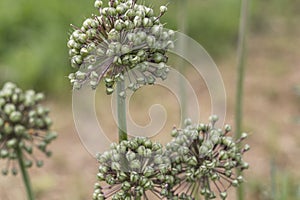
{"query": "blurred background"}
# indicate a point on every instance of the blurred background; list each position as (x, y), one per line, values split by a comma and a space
(33, 54)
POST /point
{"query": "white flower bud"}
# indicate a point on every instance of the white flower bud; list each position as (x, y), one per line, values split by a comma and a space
(118, 25)
(87, 23)
(163, 9)
(98, 4)
(91, 33)
(9, 108)
(80, 75)
(15, 116)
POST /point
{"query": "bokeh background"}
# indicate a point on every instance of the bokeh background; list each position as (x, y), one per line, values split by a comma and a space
(33, 53)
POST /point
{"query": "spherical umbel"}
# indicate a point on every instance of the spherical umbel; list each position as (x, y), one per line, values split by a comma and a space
(207, 159)
(126, 42)
(132, 170)
(24, 126)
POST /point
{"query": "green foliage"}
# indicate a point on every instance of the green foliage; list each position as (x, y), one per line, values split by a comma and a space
(33, 33)
(32, 37)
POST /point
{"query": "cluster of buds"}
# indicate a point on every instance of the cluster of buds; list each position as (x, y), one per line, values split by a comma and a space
(24, 125)
(126, 42)
(133, 170)
(200, 160)
(206, 158)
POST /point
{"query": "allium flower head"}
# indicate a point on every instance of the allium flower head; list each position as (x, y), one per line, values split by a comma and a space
(24, 125)
(126, 41)
(206, 158)
(133, 169)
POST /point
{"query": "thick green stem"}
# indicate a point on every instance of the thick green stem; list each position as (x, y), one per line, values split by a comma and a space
(121, 110)
(25, 175)
(240, 80)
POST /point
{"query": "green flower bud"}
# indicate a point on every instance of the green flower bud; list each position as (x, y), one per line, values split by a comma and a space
(111, 11)
(227, 128)
(98, 4)
(163, 9)
(128, 25)
(39, 163)
(245, 166)
(135, 164)
(71, 44)
(19, 130)
(80, 75)
(4, 153)
(235, 183)
(130, 155)
(157, 30)
(15, 116)
(9, 108)
(91, 33)
(126, 185)
(8, 129)
(118, 25)
(87, 23)
(14, 171)
(223, 195)
(134, 177)
(125, 49)
(158, 57)
(120, 9)
(115, 166)
(213, 118)
(130, 13)
(246, 147)
(28, 163)
(113, 35)
(4, 172)
(244, 135)
(193, 161)
(11, 143)
(149, 12)
(84, 52)
(137, 21)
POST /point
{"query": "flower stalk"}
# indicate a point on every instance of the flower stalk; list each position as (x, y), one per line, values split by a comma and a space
(181, 17)
(121, 110)
(240, 80)
(25, 175)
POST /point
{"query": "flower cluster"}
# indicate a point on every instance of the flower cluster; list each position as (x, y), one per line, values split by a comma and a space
(24, 125)
(206, 158)
(133, 169)
(200, 160)
(126, 41)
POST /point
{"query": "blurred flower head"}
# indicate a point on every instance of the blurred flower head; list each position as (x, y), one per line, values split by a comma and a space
(125, 42)
(133, 169)
(206, 158)
(24, 126)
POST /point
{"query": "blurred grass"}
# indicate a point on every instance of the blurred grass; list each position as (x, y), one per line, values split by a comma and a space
(286, 187)
(33, 37)
(33, 34)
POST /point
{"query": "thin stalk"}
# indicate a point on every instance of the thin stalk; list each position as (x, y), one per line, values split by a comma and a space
(240, 80)
(121, 111)
(273, 179)
(25, 175)
(181, 18)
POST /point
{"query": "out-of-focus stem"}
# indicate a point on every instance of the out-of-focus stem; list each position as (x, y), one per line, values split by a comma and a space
(181, 18)
(25, 175)
(240, 80)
